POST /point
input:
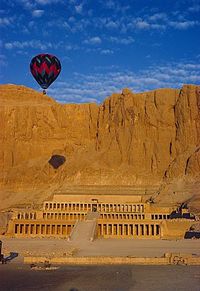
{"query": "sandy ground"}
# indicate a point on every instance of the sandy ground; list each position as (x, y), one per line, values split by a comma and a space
(100, 278)
(100, 247)
(16, 276)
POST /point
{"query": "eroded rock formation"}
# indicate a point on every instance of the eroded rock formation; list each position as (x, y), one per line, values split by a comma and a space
(145, 139)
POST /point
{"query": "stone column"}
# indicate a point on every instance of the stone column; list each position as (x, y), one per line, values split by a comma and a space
(158, 229)
(40, 229)
(122, 229)
(148, 230)
(45, 229)
(145, 229)
(137, 229)
(128, 225)
(34, 229)
(152, 230)
(23, 229)
(28, 229)
(58, 206)
(100, 229)
(117, 229)
(52, 230)
(126, 229)
(107, 229)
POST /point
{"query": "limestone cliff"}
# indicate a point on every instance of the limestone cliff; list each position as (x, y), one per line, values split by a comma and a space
(146, 139)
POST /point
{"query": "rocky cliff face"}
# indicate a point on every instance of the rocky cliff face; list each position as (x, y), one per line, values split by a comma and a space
(147, 139)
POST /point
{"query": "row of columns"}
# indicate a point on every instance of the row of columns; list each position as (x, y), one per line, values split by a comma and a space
(42, 229)
(67, 206)
(63, 216)
(121, 216)
(26, 215)
(129, 230)
(120, 207)
(108, 207)
(106, 229)
(160, 216)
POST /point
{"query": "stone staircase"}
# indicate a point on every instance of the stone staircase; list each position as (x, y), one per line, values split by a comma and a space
(84, 230)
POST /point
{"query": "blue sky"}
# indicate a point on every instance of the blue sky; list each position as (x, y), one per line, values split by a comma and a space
(104, 46)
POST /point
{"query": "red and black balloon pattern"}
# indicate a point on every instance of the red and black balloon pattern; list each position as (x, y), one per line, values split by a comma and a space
(45, 69)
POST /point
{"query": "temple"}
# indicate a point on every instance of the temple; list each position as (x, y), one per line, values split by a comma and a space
(102, 216)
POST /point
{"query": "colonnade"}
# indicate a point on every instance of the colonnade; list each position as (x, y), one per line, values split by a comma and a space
(101, 207)
(63, 216)
(128, 229)
(160, 216)
(81, 216)
(26, 215)
(121, 216)
(66, 216)
(40, 229)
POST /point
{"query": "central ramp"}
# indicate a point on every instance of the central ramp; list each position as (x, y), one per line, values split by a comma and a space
(92, 216)
(85, 230)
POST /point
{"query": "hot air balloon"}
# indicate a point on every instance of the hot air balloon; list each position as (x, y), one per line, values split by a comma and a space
(45, 69)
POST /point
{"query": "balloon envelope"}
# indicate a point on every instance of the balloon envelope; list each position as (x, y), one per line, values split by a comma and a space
(45, 69)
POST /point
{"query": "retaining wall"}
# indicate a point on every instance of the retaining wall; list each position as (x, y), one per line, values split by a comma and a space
(172, 259)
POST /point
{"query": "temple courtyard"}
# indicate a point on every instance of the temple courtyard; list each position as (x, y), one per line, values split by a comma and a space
(51, 247)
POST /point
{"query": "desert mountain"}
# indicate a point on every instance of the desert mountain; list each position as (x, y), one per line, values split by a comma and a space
(144, 140)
